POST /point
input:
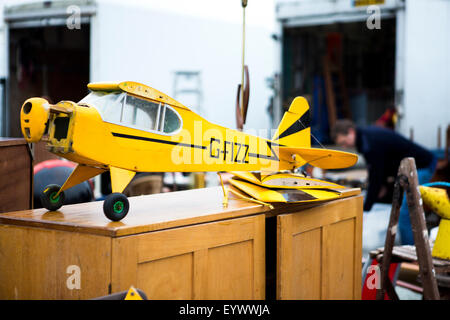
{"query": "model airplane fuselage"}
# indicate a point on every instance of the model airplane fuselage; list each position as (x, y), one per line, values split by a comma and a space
(128, 127)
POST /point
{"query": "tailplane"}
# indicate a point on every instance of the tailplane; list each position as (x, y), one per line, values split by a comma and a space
(294, 129)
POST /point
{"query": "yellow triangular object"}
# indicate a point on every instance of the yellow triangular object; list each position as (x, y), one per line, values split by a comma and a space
(133, 294)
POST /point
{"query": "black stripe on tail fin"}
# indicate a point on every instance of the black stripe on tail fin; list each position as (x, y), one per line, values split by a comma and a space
(294, 128)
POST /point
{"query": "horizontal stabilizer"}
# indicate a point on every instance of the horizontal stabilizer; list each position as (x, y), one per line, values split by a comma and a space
(321, 158)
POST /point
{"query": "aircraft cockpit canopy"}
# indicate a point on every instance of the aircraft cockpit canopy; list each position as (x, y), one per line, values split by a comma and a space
(121, 108)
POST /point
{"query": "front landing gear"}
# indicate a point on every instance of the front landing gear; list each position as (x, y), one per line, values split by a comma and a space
(116, 206)
(50, 198)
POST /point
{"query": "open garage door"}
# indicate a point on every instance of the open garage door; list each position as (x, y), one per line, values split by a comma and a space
(48, 55)
(345, 70)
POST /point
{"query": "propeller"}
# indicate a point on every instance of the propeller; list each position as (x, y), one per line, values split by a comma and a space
(241, 110)
(243, 92)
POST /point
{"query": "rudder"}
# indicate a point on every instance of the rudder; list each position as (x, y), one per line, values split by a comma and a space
(294, 129)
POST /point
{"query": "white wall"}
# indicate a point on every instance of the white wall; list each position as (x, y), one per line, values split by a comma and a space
(3, 44)
(3, 52)
(141, 43)
(427, 70)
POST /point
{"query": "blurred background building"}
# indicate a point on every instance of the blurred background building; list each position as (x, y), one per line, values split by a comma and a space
(44, 53)
(359, 58)
(334, 52)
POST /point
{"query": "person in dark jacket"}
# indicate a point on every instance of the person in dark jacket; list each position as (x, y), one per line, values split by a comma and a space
(383, 149)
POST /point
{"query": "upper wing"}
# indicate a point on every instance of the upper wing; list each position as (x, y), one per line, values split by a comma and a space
(322, 158)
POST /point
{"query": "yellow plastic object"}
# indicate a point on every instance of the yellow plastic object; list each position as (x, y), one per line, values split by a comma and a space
(437, 200)
(441, 248)
(33, 118)
(284, 195)
(133, 294)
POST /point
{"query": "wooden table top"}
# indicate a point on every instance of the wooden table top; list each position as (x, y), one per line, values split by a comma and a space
(148, 213)
(11, 141)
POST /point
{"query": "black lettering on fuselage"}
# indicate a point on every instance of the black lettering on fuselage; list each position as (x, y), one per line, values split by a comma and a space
(216, 154)
(238, 153)
(225, 151)
(246, 146)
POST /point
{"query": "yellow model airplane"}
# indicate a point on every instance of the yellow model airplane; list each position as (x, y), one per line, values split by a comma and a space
(128, 127)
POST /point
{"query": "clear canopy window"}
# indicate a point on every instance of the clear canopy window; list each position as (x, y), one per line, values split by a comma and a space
(108, 104)
(127, 110)
(140, 113)
(171, 121)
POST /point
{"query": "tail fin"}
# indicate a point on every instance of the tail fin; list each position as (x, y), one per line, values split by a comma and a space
(294, 129)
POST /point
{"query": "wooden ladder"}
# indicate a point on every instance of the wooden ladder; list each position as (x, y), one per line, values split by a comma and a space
(407, 181)
(336, 91)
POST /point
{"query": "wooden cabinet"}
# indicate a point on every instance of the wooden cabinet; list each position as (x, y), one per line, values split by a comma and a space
(16, 175)
(319, 252)
(183, 245)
